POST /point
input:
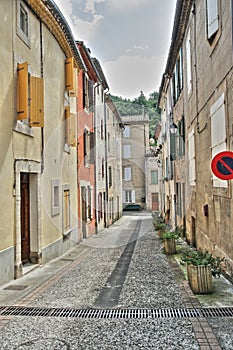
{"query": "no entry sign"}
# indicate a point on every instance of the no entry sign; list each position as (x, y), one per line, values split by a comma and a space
(222, 165)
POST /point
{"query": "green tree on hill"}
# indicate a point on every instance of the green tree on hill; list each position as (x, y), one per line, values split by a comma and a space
(140, 105)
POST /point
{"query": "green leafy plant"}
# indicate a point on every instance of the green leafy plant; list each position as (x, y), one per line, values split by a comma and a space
(160, 226)
(199, 257)
(169, 235)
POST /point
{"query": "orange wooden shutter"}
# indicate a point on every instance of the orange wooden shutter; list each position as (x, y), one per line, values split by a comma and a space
(69, 78)
(22, 91)
(36, 102)
(67, 124)
(74, 92)
(73, 130)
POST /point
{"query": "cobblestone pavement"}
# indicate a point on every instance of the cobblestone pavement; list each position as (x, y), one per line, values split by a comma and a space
(123, 267)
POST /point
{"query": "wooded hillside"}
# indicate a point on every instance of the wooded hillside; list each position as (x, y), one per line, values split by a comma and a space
(140, 105)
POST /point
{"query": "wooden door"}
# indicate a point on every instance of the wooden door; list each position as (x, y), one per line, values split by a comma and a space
(25, 217)
(155, 201)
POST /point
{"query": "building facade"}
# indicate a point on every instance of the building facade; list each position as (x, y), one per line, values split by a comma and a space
(135, 145)
(38, 158)
(114, 131)
(196, 102)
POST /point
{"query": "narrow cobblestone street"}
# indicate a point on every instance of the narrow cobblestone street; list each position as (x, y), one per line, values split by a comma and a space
(122, 268)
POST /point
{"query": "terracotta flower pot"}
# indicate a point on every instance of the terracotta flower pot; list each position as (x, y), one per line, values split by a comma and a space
(200, 279)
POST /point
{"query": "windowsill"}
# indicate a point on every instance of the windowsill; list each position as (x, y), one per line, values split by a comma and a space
(23, 37)
(22, 128)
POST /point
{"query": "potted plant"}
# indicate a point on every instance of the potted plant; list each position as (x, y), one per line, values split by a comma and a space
(160, 227)
(201, 266)
(169, 241)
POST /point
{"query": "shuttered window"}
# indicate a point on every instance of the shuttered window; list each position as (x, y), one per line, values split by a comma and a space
(67, 124)
(127, 173)
(188, 62)
(191, 158)
(154, 177)
(69, 74)
(74, 92)
(22, 91)
(30, 97)
(218, 134)
(36, 102)
(212, 17)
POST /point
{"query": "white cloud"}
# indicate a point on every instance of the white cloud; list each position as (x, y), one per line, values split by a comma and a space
(122, 5)
(84, 30)
(129, 75)
(90, 5)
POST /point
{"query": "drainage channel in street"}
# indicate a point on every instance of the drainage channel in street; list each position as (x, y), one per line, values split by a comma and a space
(116, 313)
(110, 293)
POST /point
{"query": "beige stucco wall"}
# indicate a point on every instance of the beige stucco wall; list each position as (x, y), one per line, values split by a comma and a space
(22, 152)
(214, 76)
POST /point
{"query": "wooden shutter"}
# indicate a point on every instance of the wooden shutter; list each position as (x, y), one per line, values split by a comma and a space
(67, 124)
(74, 91)
(92, 148)
(91, 94)
(22, 91)
(69, 74)
(73, 130)
(36, 102)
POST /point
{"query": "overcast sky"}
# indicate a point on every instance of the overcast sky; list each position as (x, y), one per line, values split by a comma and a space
(130, 38)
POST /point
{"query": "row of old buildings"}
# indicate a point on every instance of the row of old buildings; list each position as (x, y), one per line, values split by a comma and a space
(62, 177)
(196, 102)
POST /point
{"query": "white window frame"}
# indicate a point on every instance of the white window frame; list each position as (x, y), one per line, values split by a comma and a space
(191, 159)
(126, 133)
(126, 151)
(212, 18)
(127, 173)
(24, 36)
(55, 197)
(188, 62)
(128, 196)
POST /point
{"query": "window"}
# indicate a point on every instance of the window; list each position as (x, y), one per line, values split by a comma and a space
(102, 171)
(89, 209)
(218, 134)
(69, 74)
(191, 158)
(109, 145)
(178, 78)
(126, 133)
(110, 176)
(86, 147)
(126, 151)
(70, 128)
(127, 173)
(181, 138)
(154, 177)
(212, 15)
(102, 129)
(129, 196)
(23, 22)
(188, 62)
(66, 208)
(55, 197)
(30, 97)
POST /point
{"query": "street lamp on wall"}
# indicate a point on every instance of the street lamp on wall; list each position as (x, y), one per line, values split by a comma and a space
(173, 128)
